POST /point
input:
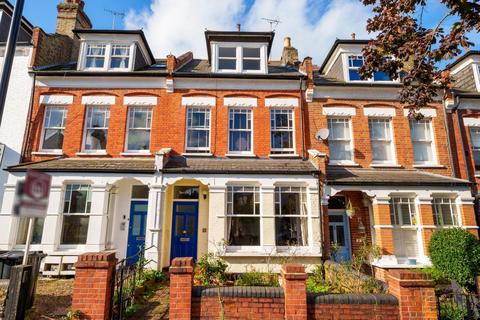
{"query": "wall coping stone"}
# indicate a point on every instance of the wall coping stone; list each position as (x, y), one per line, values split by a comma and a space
(238, 292)
(352, 298)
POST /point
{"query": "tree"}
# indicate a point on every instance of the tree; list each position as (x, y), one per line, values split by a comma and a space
(416, 49)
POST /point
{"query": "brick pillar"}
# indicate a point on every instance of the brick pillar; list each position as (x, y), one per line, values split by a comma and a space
(93, 285)
(415, 292)
(181, 282)
(295, 290)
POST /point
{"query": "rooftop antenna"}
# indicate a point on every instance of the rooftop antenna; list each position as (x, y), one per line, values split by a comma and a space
(115, 14)
(273, 23)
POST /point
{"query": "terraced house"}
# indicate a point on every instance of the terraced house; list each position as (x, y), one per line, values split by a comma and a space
(256, 160)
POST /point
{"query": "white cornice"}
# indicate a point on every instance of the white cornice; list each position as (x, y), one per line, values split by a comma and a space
(199, 101)
(140, 101)
(98, 100)
(240, 102)
(56, 99)
(281, 102)
(338, 111)
(379, 112)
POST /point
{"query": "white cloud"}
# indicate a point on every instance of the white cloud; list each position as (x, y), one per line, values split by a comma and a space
(177, 26)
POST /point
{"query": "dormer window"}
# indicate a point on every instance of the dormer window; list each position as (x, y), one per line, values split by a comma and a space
(241, 58)
(108, 56)
(355, 62)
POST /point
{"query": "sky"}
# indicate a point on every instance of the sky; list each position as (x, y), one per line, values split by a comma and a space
(177, 26)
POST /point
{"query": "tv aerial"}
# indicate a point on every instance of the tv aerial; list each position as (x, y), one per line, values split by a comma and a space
(273, 23)
(115, 14)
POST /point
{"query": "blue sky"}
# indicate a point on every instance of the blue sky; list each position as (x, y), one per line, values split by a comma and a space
(175, 26)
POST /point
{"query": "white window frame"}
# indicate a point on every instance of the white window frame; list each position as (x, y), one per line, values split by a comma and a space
(208, 115)
(87, 213)
(44, 127)
(346, 69)
(250, 112)
(291, 115)
(398, 222)
(239, 56)
(305, 214)
(434, 159)
(108, 55)
(390, 142)
(454, 211)
(86, 128)
(473, 148)
(350, 161)
(150, 117)
(258, 215)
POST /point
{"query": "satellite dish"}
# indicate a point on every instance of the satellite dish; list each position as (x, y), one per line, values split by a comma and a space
(322, 134)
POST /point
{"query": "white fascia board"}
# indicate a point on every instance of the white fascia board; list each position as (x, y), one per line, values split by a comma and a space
(98, 100)
(281, 102)
(101, 82)
(339, 111)
(56, 99)
(199, 101)
(379, 112)
(426, 112)
(471, 122)
(140, 101)
(240, 102)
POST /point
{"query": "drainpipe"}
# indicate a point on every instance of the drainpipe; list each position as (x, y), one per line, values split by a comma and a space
(302, 131)
(445, 122)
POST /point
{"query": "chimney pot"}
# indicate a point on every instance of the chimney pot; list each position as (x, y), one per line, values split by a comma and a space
(239, 26)
(287, 42)
(354, 36)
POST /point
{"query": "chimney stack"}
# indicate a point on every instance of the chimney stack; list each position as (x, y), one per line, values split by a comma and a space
(354, 36)
(71, 16)
(239, 26)
(289, 53)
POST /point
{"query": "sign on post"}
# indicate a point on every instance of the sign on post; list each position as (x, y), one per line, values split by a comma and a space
(31, 195)
(31, 201)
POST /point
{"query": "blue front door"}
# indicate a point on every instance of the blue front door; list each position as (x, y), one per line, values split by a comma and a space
(184, 229)
(340, 236)
(136, 229)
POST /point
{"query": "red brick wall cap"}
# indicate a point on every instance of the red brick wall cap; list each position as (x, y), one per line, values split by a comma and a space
(182, 262)
(108, 256)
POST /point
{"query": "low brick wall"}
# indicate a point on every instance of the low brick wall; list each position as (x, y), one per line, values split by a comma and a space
(352, 306)
(238, 303)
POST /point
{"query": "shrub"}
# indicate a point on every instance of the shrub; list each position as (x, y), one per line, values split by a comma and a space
(210, 270)
(154, 275)
(449, 310)
(455, 253)
(316, 282)
(342, 278)
(257, 279)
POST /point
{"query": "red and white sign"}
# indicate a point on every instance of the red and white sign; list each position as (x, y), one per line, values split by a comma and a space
(31, 198)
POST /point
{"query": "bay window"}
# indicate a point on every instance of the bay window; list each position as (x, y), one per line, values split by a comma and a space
(281, 126)
(53, 128)
(291, 223)
(475, 141)
(240, 131)
(422, 140)
(402, 211)
(340, 140)
(139, 127)
(76, 209)
(96, 128)
(381, 140)
(444, 212)
(243, 215)
(198, 130)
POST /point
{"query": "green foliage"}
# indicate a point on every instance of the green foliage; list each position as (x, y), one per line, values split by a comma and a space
(131, 310)
(455, 253)
(257, 279)
(155, 275)
(72, 315)
(316, 282)
(210, 270)
(436, 275)
(365, 255)
(449, 310)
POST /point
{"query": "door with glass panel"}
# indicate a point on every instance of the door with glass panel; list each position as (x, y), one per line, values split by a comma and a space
(184, 229)
(340, 236)
(136, 229)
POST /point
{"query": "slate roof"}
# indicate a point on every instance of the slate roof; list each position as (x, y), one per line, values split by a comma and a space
(389, 177)
(176, 164)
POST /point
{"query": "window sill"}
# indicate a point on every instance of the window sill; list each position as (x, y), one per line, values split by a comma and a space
(302, 252)
(197, 154)
(283, 155)
(343, 164)
(47, 153)
(385, 165)
(241, 155)
(135, 154)
(427, 166)
(91, 154)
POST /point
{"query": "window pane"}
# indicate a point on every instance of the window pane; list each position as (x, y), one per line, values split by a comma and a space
(119, 63)
(240, 141)
(340, 150)
(140, 192)
(198, 139)
(227, 52)
(78, 198)
(290, 203)
(354, 75)
(291, 231)
(95, 62)
(23, 230)
(381, 151)
(243, 203)
(355, 61)
(75, 229)
(251, 64)
(97, 128)
(381, 76)
(55, 117)
(475, 137)
(138, 139)
(186, 192)
(337, 202)
(96, 139)
(339, 128)
(422, 151)
(282, 140)
(251, 53)
(52, 139)
(227, 64)
(243, 231)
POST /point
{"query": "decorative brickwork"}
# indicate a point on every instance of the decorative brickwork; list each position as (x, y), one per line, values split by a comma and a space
(416, 294)
(92, 289)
